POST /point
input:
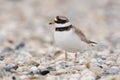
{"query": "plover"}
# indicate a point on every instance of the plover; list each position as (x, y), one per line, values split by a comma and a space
(68, 37)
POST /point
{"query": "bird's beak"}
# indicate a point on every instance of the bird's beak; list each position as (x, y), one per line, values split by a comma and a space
(52, 22)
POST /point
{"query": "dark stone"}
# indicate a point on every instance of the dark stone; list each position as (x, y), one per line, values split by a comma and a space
(1, 58)
(13, 78)
(9, 67)
(100, 66)
(7, 49)
(19, 46)
(44, 72)
(97, 77)
(41, 72)
(51, 69)
(30, 73)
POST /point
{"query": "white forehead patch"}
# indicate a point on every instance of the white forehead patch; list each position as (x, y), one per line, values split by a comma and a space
(62, 25)
(55, 19)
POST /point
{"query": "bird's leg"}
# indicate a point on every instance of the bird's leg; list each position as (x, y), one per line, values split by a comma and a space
(76, 55)
(66, 56)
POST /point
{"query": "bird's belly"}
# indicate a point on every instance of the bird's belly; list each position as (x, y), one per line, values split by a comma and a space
(69, 41)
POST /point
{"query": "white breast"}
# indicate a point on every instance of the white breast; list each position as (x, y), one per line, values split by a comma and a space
(69, 41)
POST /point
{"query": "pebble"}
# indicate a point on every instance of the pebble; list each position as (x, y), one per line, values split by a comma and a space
(10, 67)
(21, 68)
(34, 70)
(50, 69)
(110, 71)
(65, 64)
(19, 46)
(82, 61)
(44, 72)
(7, 50)
(1, 58)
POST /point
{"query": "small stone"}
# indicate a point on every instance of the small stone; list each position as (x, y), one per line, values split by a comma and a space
(19, 46)
(82, 61)
(44, 72)
(98, 77)
(51, 69)
(7, 50)
(13, 78)
(65, 64)
(1, 58)
(110, 71)
(114, 70)
(10, 67)
(103, 57)
(21, 69)
(34, 69)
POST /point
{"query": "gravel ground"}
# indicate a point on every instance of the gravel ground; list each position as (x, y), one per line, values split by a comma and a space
(26, 50)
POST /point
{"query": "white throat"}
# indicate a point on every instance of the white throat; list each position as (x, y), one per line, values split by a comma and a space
(62, 25)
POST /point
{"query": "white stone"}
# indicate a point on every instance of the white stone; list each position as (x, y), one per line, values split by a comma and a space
(34, 69)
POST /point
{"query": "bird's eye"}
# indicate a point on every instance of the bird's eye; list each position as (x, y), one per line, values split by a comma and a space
(57, 18)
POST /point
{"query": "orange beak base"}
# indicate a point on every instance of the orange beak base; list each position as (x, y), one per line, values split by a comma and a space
(52, 22)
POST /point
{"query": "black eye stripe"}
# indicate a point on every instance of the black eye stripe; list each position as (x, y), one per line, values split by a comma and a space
(58, 18)
(61, 21)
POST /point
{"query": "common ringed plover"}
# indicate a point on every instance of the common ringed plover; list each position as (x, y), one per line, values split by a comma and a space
(68, 37)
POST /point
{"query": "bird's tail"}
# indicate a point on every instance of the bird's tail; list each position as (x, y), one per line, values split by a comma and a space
(92, 42)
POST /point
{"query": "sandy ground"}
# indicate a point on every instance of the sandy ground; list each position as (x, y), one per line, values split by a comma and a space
(26, 50)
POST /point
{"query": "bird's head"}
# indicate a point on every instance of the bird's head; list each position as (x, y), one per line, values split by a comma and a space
(60, 21)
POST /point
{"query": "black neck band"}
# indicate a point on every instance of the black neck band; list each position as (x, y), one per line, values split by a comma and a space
(67, 28)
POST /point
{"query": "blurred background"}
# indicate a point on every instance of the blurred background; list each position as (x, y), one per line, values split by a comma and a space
(26, 21)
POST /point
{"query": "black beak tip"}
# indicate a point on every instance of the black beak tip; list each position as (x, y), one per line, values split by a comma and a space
(50, 23)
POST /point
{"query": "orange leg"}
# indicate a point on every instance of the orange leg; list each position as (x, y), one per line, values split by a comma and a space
(75, 57)
(66, 56)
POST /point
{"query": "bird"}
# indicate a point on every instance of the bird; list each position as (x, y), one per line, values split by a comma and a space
(69, 37)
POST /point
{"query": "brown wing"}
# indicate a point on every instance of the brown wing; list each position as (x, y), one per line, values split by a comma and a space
(82, 36)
